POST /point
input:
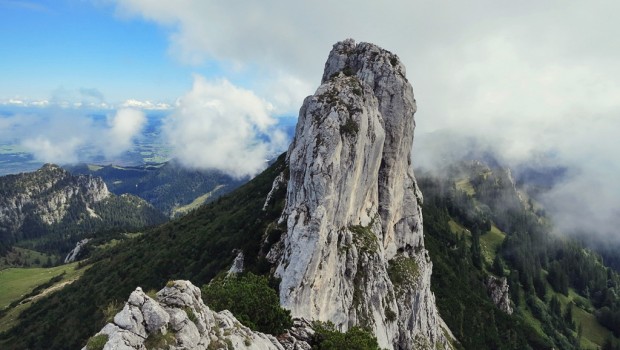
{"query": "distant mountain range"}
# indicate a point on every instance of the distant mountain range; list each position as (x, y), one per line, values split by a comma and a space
(169, 187)
(50, 209)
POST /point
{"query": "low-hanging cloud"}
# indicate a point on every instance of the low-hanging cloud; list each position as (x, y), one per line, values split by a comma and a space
(219, 125)
(124, 127)
(66, 136)
(525, 78)
(54, 150)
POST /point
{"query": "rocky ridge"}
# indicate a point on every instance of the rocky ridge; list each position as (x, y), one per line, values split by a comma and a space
(178, 319)
(353, 253)
(46, 194)
(52, 201)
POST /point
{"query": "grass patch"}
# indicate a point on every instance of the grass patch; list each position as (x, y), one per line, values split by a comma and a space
(22, 257)
(158, 340)
(16, 282)
(403, 271)
(465, 186)
(531, 320)
(592, 330)
(490, 242)
(364, 238)
(113, 308)
(457, 228)
(184, 209)
(594, 334)
(97, 342)
(10, 318)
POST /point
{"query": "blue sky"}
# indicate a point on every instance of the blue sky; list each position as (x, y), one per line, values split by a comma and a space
(525, 78)
(54, 48)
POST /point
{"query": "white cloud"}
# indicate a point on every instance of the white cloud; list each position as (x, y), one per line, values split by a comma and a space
(219, 125)
(56, 137)
(59, 151)
(63, 136)
(124, 127)
(528, 77)
(12, 127)
(146, 105)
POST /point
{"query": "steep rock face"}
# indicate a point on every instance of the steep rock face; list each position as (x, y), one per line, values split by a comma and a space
(499, 292)
(354, 252)
(178, 319)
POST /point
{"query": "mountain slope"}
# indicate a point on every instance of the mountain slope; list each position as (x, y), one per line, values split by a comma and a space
(50, 209)
(480, 224)
(195, 247)
(167, 186)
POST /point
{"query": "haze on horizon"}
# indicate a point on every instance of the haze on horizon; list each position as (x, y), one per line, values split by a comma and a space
(536, 82)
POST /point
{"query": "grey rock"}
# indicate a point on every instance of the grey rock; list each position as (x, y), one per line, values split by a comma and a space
(180, 311)
(237, 265)
(278, 182)
(73, 254)
(499, 292)
(121, 339)
(131, 319)
(353, 205)
(155, 317)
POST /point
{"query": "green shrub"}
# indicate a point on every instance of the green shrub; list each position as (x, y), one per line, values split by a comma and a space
(403, 270)
(97, 342)
(112, 309)
(356, 338)
(190, 314)
(158, 340)
(350, 127)
(250, 298)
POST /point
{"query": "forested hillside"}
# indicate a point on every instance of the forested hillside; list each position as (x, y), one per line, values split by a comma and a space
(478, 224)
(49, 210)
(196, 247)
(169, 187)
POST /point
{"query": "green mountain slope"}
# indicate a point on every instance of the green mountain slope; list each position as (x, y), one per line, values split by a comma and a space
(197, 247)
(560, 292)
(168, 186)
(478, 224)
(49, 210)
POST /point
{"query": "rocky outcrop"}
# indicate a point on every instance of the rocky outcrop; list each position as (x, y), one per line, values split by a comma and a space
(499, 292)
(46, 196)
(178, 319)
(75, 252)
(237, 265)
(353, 253)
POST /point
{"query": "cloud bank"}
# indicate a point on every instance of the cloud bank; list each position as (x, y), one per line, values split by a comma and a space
(67, 136)
(527, 78)
(123, 128)
(218, 125)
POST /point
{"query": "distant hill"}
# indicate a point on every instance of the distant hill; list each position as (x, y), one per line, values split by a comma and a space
(172, 189)
(49, 210)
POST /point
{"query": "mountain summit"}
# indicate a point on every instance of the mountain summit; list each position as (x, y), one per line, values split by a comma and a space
(338, 222)
(353, 252)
